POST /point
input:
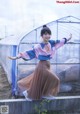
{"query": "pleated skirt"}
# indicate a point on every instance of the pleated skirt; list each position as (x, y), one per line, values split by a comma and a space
(42, 82)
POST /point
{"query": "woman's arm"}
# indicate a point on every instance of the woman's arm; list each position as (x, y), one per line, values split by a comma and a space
(60, 43)
(28, 55)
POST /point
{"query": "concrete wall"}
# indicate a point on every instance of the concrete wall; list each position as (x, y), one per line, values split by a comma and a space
(59, 105)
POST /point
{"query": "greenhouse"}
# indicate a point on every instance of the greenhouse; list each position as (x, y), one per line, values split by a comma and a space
(66, 62)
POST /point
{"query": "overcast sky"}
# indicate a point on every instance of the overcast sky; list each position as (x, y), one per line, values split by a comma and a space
(20, 15)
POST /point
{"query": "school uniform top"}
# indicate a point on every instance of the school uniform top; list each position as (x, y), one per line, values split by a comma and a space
(39, 51)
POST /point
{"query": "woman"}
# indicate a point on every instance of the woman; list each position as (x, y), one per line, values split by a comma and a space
(41, 83)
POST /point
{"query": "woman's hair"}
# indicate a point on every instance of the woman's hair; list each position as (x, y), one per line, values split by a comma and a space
(45, 30)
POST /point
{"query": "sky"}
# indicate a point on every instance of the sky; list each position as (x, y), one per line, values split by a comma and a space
(17, 16)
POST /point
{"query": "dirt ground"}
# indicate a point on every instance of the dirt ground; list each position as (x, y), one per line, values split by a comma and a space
(5, 88)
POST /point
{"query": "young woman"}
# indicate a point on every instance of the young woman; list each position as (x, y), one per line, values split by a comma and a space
(42, 82)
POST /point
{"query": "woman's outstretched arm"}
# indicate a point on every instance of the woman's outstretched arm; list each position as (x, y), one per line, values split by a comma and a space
(27, 55)
(60, 43)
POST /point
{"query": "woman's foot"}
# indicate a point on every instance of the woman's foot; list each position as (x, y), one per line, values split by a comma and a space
(25, 93)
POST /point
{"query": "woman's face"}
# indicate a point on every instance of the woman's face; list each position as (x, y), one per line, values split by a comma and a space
(46, 37)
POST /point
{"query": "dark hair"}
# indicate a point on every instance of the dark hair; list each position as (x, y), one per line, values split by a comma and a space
(45, 29)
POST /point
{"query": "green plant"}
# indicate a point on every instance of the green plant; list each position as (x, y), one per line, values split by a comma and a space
(40, 109)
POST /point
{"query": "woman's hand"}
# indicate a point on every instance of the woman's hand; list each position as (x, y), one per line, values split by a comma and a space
(70, 36)
(12, 58)
(16, 57)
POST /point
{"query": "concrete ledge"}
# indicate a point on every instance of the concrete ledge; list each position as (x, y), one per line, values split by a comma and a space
(21, 106)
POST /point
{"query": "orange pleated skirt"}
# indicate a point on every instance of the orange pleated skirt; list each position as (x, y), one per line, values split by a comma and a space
(42, 82)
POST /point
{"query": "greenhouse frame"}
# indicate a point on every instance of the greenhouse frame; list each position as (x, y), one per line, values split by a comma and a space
(13, 45)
